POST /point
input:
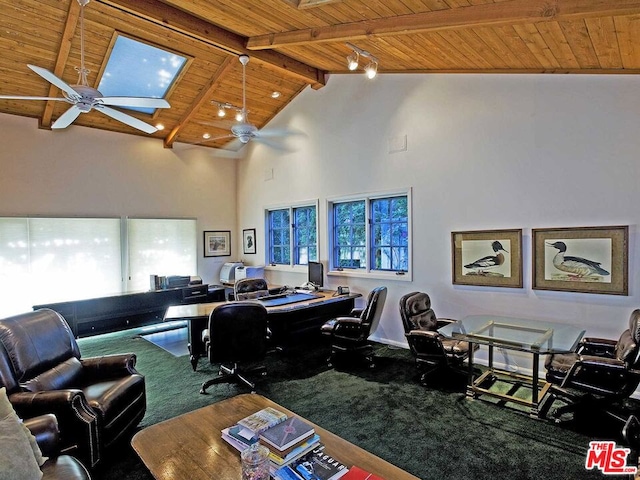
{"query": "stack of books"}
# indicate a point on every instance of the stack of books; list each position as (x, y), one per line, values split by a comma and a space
(286, 438)
(314, 465)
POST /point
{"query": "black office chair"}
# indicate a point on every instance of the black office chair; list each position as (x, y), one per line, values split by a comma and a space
(598, 376)
(250, 288)
(431, 350)
(237, 335)
(350, 334)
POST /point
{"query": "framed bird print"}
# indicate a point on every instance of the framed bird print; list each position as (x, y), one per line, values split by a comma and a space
(489, 258)
(585, 259)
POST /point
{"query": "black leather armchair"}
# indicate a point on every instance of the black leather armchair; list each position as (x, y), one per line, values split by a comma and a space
(599, 374)
(57, 466)
(237, 334)
(250, 288)
(430, 349)
(96, 400)
(351, 334)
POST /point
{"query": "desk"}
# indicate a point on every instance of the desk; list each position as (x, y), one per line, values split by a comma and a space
(286, 322)
(189, 447)
(531, 336)
(110, 313)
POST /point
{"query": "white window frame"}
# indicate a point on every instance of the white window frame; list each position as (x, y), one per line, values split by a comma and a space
(291, 207)
(368, 272)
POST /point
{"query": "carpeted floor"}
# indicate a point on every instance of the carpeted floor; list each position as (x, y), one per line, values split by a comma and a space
(434, 433)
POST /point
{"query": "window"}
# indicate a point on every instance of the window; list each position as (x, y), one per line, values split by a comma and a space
(292, 230)
(45, 260)
(305, 245)
(371, 233)
(53, 259)
(279, 237)
(155, 71)
(160, 247)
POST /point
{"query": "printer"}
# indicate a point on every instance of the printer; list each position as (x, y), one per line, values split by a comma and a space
(228, 272)
(248, 271)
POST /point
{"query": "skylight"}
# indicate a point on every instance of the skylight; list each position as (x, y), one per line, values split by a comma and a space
(135, 69)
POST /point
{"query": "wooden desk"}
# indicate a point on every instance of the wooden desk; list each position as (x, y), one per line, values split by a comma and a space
(190, 446)
(287, 322)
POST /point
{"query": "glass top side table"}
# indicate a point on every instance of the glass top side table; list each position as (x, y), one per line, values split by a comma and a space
(526, 335)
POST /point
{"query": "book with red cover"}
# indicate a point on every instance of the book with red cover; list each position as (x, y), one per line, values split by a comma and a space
(356, 473)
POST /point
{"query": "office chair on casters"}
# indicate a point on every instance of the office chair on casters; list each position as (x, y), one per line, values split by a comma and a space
(350, 334)
(237, 334)
(430, 349)
(600, 375)
(250, 288)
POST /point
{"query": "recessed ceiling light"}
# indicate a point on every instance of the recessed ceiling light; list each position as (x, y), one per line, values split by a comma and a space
(275, 94)
(160, 126)
(206, 135)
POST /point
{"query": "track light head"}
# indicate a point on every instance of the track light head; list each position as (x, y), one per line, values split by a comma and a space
(222, 112)
(352, 60)
(371, 70)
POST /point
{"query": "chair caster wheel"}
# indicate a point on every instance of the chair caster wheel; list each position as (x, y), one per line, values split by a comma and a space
(203, 391)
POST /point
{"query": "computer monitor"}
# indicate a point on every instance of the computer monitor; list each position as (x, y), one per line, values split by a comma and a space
(316, 273)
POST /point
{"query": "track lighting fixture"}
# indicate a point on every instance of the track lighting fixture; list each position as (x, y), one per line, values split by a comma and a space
(223, 107)
(371, 69)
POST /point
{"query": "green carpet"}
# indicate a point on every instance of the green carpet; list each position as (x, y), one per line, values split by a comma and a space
(434, 433)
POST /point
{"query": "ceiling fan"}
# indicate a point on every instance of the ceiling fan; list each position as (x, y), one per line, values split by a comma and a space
(244, 131)
(84, 98)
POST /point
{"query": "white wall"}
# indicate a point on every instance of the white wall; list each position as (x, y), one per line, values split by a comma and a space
(484, 152)
(81, 171)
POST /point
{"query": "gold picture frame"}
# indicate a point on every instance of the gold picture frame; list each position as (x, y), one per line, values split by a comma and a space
(584, 259)
(488, 258)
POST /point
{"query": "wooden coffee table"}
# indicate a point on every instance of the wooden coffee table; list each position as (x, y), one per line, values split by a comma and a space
(190, 447)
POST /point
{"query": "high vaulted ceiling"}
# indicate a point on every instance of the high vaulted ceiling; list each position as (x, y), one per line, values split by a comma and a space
(296, 44)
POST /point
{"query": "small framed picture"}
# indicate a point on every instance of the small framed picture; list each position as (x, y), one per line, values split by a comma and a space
(249, 240)
(585, 259)
(489, 258)
(217, 243)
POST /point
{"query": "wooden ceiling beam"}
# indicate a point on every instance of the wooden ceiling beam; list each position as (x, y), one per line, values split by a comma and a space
(200, 100)
(482, 15)
(224, 40)
(61, 60)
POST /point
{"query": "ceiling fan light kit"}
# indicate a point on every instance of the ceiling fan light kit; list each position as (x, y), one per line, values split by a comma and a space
(84, 98)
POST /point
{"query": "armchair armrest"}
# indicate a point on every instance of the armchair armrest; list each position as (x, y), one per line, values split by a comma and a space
(444, 322)
(110, 365)
(423, 334)
(356, 312)
(600, 375)
(45, 429)
(603, 347)
(71, 409)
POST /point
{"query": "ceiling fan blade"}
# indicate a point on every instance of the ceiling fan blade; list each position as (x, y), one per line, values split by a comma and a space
(279, 132)
(16, 97)
(66, 118)
(126, 119)
(135, 102)
(51, 78)
(273, 145)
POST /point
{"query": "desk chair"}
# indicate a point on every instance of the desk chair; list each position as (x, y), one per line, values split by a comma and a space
(599, 375)
(237, 335)
(430, 349)
(351, 334)
(250, 288)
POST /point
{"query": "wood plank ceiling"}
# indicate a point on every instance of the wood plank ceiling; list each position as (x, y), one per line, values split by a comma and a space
(294, 44)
